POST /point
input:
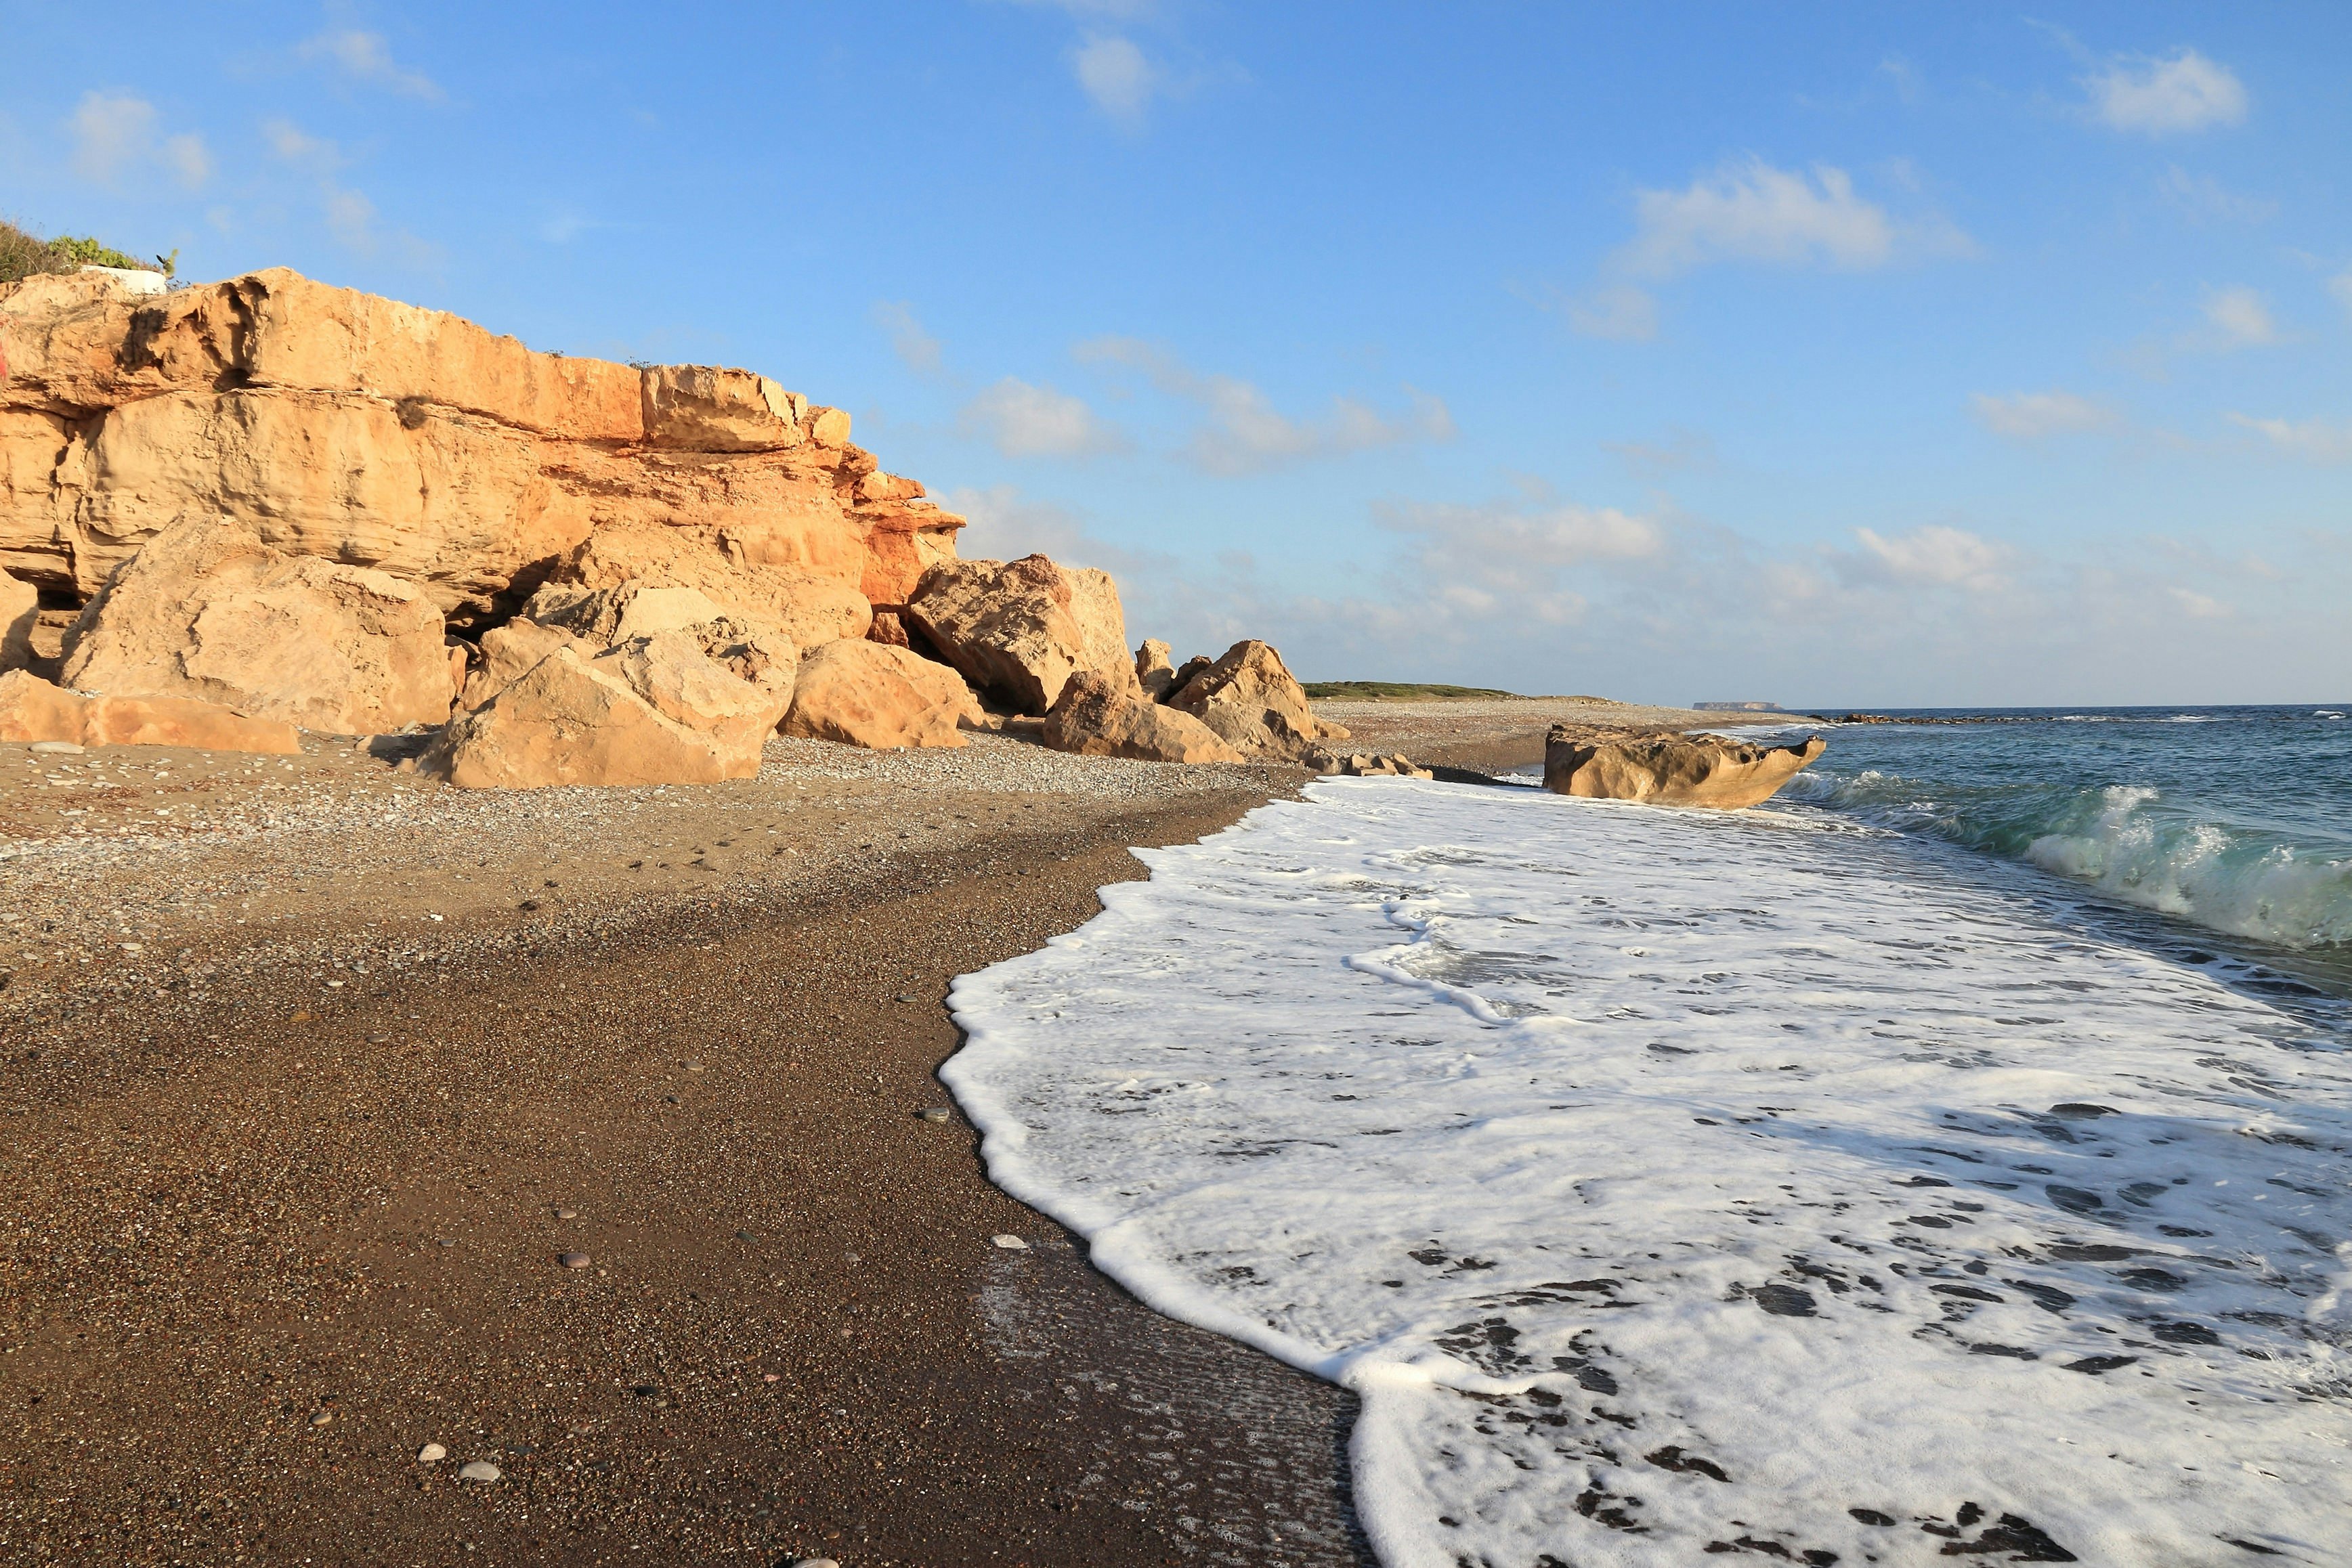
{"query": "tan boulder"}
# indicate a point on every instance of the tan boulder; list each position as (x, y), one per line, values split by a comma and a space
(20, 607)
(806, 605)
(508, 652)
(1096, 718)
(705, 408)
(1153, 672)
(207, 611)
(31, 709)
(1019, 630)
(1670, 770)
(673, 708)
(876, 695)
(610, 616)
(1184, 673)
(1366, 765)
(1250, 698)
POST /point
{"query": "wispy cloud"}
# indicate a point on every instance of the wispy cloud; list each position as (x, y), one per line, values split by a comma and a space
(1932, 555)
(916, 348)
(1683, 451)
(117, 136)
(2162, 96)
(1116, 75)
(1246, 433)
(1022, 419)
(2028, 416)
(2340, 286)
(2238, 319)
(349, 215)
(2314, 439)
(2203, 197)
(366, 57)
(1749, 211)
(1619, 312)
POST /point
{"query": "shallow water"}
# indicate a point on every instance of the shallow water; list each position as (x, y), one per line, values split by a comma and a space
(1667, 1181)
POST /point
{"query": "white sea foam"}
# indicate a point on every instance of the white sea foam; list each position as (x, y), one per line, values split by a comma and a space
(1667, 1179)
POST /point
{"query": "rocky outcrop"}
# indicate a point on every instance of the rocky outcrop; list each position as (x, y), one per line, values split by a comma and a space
(380, 435)
(1153, 672)
(507, 653)
(20, 608)
(1095, 716)
(1670, 770)
(31, 709)
(1250, 698)
(610, 616)
(1019, 630)
(798, 600)
(207, 611)
(689, 706)
(879, 696)
(1366, 765)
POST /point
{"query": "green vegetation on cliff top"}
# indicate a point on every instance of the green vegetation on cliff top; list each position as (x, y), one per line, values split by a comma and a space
(24, 253)
(1395, 691)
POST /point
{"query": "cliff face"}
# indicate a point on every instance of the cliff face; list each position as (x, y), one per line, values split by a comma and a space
(379, 434)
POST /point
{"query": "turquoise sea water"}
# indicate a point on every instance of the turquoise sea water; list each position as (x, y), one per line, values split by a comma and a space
(2232, 821)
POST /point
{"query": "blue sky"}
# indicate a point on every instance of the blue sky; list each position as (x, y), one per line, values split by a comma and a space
(1872, 354)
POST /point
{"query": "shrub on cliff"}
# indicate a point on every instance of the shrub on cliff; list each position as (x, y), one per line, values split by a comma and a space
(23, 254)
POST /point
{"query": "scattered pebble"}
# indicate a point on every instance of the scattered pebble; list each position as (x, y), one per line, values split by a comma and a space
(57, 748)
(904, 997)
(322, 1418)
(574, 1259)
(567, 1214)
(431, 1454)
(771, 1378)
(745, 1236)
(1011, 1243)
(482, 1470)
(934, 1112)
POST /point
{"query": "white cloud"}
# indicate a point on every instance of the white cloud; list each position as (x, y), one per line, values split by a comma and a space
(294, 145)
(1623, 313)
(365, 57)
(1116, 74)
(1246, 433)
(114, 135)
(1025, 421)
(2203, 198)
(2315, 440)
(2157, 97)
(917, 348)
(1750, 210)
(351, 217)
(2241, 318)
(2340, 286)
(2199, 606)
(1684, 452)
(1930, 557)
(2030, 415)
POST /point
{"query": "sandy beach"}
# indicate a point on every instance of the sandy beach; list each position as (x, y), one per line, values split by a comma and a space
(310, 1059)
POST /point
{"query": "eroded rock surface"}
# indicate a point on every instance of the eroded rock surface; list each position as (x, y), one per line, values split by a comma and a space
(1019, 630)
(1153, 672)
(1250, 698)
(31, 709)
(20, 607)
(1670, 770)
(207, 611)
(1097, 717)
(879, 696)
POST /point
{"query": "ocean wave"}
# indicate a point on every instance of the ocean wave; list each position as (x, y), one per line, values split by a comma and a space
(2131, 843)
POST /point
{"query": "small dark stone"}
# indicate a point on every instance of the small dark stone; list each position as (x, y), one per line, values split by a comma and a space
(1871, 1516)
(2094, 1364)
(2073, 1200)
(2186, 1333)
(2076, 1109)
(1785, 1301)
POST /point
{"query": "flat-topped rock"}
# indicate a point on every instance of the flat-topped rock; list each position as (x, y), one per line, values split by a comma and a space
(1669, 769)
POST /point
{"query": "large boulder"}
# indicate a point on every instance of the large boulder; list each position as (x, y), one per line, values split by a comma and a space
(507, 653)
(31, 709)
(1670, 770)
(611, 616)
(1153, 673)
(773, 586)
(682, 707)
(20, 608)
(207, 609)
(1019, 630)
(1250, 698)
(875, 694)
(1097, 717)
(376, 434)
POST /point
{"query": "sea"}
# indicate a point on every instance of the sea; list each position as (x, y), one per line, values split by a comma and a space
(1950, 1160)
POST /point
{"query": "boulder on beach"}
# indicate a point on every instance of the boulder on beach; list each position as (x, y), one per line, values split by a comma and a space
(1670, 770)
(1250, 698)
(687, 706)
(1097, 717)
(20, 608)
(881, 696)
(207, 611)
(1153, 672)
(1019, 630)
(32, 709)
(1366, 765)
(507, 653)
(769, 574)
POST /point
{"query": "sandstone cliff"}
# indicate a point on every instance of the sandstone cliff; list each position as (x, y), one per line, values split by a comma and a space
(377, 434)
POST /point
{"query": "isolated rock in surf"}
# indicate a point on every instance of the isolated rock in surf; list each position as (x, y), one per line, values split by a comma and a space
(379, 433)
(1250, 698)
(1670, 770)
(1095, 718)
(20, 607)
(205, 610)
(875, 694)
(1019, 630)
(1366, 765)
(31, 709)
(674, 709)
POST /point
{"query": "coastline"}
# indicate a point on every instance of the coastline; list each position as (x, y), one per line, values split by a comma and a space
(290, 1147)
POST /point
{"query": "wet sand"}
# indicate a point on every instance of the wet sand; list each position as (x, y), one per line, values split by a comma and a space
(286, 1189)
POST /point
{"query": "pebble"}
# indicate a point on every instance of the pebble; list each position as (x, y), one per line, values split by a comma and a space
(322, 1418)
(567, 1214)
(904, 997)
(934, 1112)
(1011, 1243)
(482, 1470)
(431, 1454)
(56, 748)
(815, 1562)
(574, 1259)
